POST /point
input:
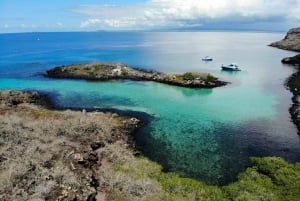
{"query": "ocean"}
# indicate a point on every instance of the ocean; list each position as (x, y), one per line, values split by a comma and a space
(206, 134)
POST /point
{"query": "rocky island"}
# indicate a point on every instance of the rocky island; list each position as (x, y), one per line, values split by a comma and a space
(292, 42)
(116, 71)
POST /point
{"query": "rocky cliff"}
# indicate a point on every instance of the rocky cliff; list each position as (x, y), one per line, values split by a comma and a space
(290, 42)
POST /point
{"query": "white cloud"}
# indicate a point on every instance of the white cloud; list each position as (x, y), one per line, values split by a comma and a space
(212, 9)
(89, 22)
(27, 26)
(122, 23)
(59, 24)
(174, 13)
(294, 13)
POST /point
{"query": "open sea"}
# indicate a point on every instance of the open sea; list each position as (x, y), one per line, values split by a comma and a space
(207, 134)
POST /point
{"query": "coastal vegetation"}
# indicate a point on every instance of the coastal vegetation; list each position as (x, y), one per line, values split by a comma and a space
(78, 155)
(188, 76)
(269, 178)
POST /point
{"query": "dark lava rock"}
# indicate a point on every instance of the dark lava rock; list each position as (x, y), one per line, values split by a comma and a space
(295, 60)
(13, 98)
(293, 83)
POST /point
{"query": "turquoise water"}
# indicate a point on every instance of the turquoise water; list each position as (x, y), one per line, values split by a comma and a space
(207, 134)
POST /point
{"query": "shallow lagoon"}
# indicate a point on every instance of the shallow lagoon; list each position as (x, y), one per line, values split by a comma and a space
(207, 134)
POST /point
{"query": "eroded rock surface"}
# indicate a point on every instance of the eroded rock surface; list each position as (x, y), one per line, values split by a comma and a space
(290, 42)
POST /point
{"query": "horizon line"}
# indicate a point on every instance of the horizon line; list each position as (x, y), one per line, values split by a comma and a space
(153, 30)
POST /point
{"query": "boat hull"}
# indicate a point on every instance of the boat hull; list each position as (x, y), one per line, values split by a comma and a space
(207, 59)
(230, 68)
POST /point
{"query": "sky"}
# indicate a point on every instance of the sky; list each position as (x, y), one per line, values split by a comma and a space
(118, 15)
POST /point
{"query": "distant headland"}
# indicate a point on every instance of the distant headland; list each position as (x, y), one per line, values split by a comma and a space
(116, 71)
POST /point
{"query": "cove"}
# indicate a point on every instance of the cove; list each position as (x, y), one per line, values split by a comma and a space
(206, 134)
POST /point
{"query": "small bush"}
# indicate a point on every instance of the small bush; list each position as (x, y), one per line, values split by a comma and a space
(97, 67)
(270, 178)
(124, 72)
(210, 78)
(188, 76)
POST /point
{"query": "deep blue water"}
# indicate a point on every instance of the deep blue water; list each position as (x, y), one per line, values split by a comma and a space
(207, 134)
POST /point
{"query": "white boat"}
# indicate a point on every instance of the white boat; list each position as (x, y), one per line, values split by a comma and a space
(231, 67)
(207, 58)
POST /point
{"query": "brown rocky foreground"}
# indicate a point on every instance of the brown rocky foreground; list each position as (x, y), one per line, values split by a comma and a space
(115, 71)
(58, 155)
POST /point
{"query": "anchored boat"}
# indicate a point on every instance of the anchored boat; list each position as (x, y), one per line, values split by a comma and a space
(207, 58)
(231, 67)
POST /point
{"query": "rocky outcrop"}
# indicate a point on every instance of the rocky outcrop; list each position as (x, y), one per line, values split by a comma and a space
(110, 71)
(290, 42)
(293, 83)
(14, 98)
(295, 60)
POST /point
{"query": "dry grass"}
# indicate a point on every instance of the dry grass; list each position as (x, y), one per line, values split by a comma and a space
(126, 177)
(48, 154)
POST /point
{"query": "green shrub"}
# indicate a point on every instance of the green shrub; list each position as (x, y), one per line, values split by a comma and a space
(97, 67)
(124, 72)
(270, 178)
(210, 78)
(188, 76)
(177, 188)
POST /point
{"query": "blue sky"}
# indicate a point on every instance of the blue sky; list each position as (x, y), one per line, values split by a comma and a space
(90, 15)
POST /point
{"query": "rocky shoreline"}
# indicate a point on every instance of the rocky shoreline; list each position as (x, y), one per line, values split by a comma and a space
(292, 42)
(12, 98)
(295, 60)
(116, 71)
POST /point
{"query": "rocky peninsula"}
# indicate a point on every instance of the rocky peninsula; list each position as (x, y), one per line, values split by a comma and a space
(292, 42)
(117, 71)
